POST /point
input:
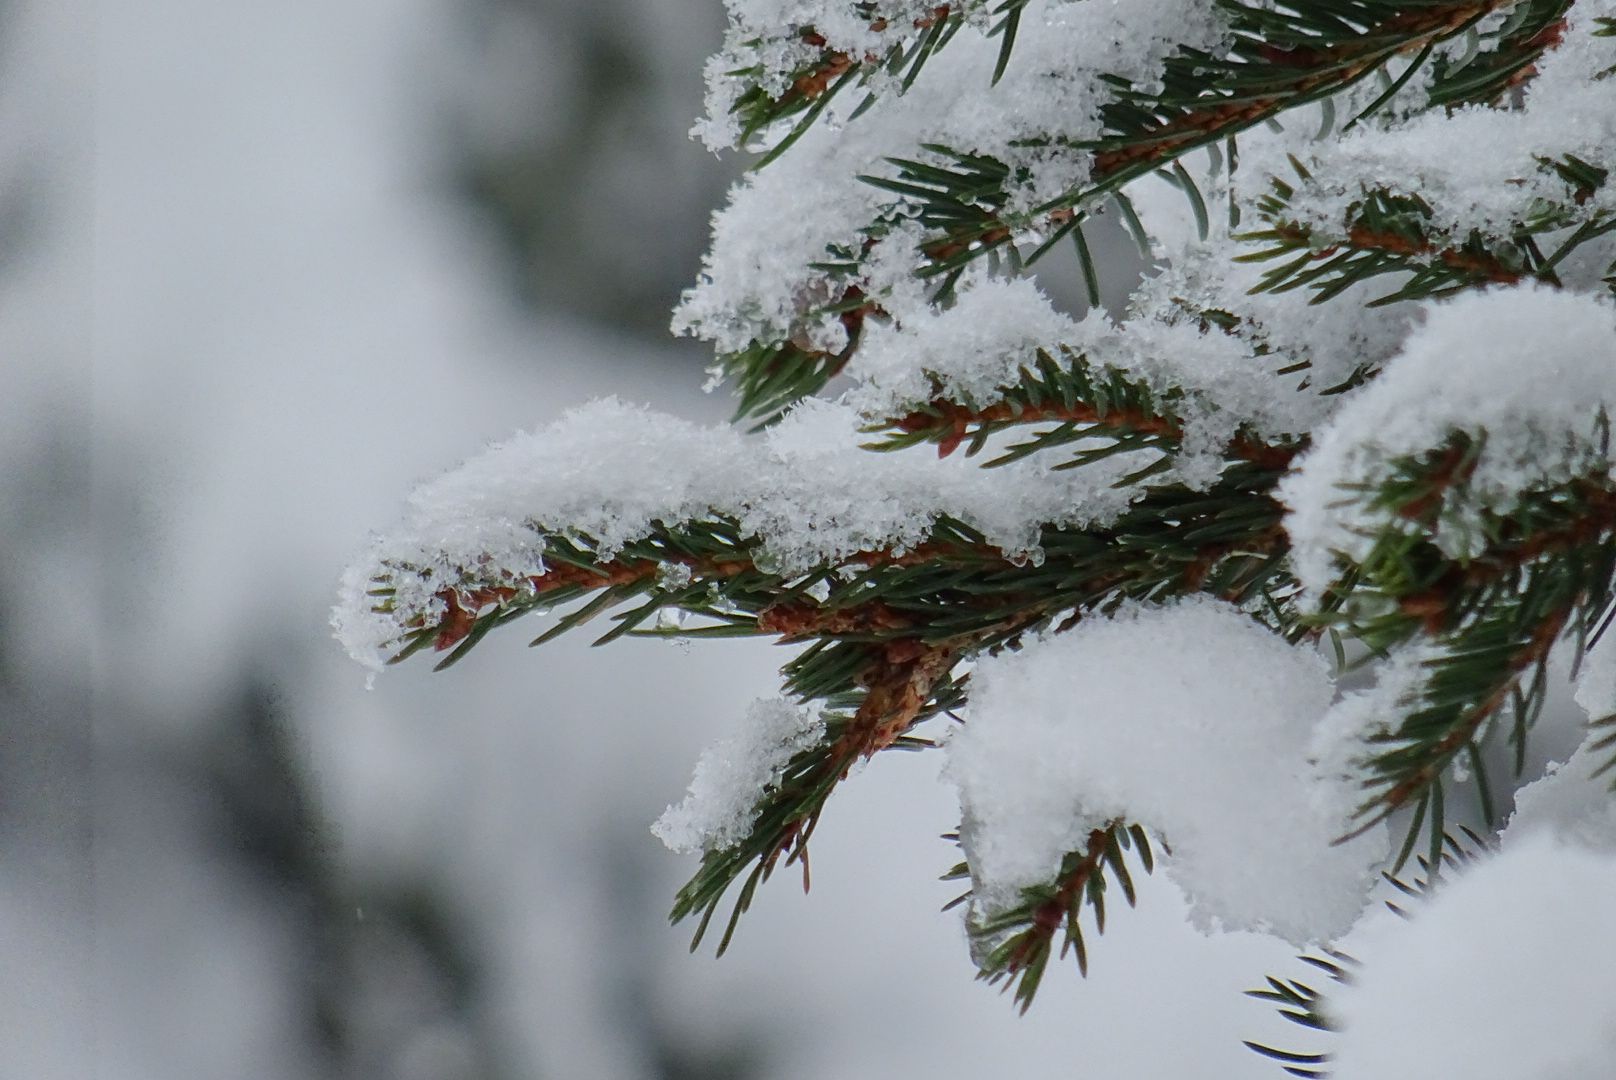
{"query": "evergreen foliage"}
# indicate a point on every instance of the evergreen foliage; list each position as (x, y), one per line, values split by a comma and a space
(1242, 425)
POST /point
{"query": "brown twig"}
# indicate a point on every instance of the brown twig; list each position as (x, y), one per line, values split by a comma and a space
(1049, 915)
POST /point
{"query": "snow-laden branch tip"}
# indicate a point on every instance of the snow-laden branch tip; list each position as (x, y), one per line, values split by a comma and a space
(608, 471)
(1570, 109)
(736, 774)
(1190, 719)
(1221, 381)
(1530, 370)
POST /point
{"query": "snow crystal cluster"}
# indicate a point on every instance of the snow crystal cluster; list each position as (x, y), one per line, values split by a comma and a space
(1531, 370)
(733, 776)
(1189, 719)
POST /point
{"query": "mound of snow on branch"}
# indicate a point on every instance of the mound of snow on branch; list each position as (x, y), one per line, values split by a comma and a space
(1508, 973)
(733, 776)
(1530, 370)
(1192, 720)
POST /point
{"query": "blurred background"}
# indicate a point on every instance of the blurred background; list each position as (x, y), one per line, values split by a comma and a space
(263, 266)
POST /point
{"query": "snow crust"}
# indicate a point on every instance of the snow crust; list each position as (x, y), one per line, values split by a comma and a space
(1530, 369)
(609, 470)
(735, 774)
(1190, 719)
(1509, 972)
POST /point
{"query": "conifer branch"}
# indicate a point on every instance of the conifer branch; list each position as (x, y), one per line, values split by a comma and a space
(1226, 539)
(1087, 401)
(1014, 946)
(1281, 59)
(903, 683)
(768, 379)
(887, 636)
(1388, 233)
(909, 40)
(1084, 401)
(1546, 566)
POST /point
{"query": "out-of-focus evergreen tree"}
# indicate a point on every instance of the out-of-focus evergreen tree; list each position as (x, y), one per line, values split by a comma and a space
(571, 129)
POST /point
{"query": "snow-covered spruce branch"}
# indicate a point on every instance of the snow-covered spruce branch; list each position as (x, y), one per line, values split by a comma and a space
(995, 180)
(1394, 234)
(1461, 511)
(745, 828)
(785, 62)
(1241, 465)
(692, 519)
(1409, 200)
(890, 605)
(761, 538)
(969, 203)
(1001, 359)
(1225, 538)
(881, 597)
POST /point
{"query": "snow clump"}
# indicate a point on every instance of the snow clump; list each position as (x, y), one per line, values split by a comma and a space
(1509, 972)
(1569, 111)
(1530, 370)
(1192, 720)
(733, 776)
(812, 206)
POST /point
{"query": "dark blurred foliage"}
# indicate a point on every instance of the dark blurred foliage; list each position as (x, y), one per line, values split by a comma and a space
(571, 141)
(637, 904)
(46, 735)
(390, 974)
(167, 862)
(391, 971)
(571, 137)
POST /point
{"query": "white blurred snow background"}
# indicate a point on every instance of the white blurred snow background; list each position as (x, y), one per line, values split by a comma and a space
(242, 311)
